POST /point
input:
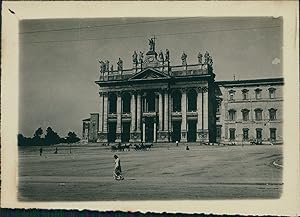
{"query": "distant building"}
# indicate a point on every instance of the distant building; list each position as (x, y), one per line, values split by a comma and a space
(250, 111)
(156, 102)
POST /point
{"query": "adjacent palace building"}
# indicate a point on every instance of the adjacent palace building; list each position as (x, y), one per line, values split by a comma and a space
(156, 102)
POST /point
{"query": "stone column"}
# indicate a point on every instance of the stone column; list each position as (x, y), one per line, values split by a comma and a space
(154, 129)
(101, 112)
(144, 131)
(105, 110)
(183, 116)
(166, 111)
(204, 132)
(160, 111)
(133, 112)
(199, 114)
(137, 135)
(102, 134)
(205, 108)
(138, 113)
(119, 118)
(133, 135)
(170, 116)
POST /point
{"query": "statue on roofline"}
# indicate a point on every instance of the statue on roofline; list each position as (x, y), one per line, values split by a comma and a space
(134, 57)
(102, 66)
(200, 56)
(183, 58)
(112, 68)
(167, 56)
(141, 57)
(206, 57)
(106, 65)
(120, 65)
(161, 56)
(152, 44)
(210, 61)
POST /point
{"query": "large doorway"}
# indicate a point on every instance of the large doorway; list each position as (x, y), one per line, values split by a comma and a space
(191, 134)
(112, 126)
(125, 132)
(149, 133)
(176, 134)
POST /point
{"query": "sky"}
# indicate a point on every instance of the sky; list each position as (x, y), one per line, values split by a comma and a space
(59, 58)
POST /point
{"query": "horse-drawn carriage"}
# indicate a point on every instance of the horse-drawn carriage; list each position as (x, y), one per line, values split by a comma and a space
(121, 147)
(143, 147)
(126, 147)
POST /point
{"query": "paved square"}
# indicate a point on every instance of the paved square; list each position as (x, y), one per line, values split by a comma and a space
(163, 173)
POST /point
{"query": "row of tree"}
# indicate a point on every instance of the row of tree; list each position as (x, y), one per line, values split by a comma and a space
(50, 138)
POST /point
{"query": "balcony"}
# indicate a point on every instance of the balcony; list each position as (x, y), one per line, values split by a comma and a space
(150, 114)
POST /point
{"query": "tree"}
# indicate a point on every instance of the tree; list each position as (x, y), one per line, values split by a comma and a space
(51, 137)
(72, 137)
(21, 140)
(38, 133)
(37, 140)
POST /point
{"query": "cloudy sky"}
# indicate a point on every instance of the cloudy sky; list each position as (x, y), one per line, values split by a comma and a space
(59, 58)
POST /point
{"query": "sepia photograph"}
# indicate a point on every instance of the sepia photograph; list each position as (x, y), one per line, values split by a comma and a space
(148, 107)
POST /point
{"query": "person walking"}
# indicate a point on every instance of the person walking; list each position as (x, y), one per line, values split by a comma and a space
(41, 151)
(118, 169)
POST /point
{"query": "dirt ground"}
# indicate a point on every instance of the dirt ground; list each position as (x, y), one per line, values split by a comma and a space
(163, 173)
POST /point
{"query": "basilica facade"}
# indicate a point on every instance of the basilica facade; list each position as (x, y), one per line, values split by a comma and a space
(155, 101)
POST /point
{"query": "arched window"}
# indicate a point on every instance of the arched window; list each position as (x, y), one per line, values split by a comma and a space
(272, 114)
(112, 98)
(231, 114)
(192, 100)
(126, 97)
(176, 96)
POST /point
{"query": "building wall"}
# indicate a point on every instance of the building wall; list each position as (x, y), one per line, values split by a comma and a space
(238, 103)
(94, 126)
(85, 129)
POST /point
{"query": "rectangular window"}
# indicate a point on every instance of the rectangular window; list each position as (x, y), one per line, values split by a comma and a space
(272, 134)
(258, 114)
(259, 133)
(272, 93)
(272, 114)
(245, 94)
(231, 94)
(231, 115)
(245, 134)
(232, 134)
(258, 93)
(245, 114)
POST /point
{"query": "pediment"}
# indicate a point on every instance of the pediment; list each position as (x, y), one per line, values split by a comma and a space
(149, 74)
